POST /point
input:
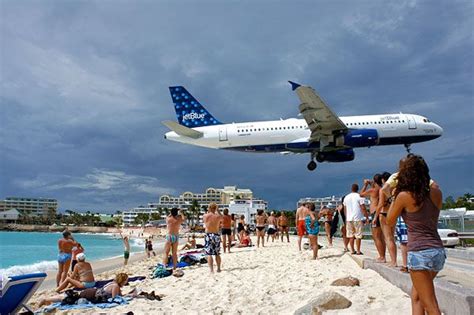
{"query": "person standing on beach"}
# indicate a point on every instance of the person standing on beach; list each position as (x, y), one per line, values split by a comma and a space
(341, 213)
(419, 204)
(373, 193)
(355, 212)
(388, 231)
(173, 223)
(272, 226)
(260, 219)
(226, 230)
(150, 248)
(126, 249)
(327, 215)
(241, 227)
(300, 223)
(212, 221)
(312, 227)
(65, 246)
(283, 225)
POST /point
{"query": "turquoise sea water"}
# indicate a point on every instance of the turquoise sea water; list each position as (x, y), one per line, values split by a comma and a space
(25, 252)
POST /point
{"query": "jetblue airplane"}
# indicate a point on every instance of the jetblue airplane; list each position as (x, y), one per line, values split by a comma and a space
(323, 134)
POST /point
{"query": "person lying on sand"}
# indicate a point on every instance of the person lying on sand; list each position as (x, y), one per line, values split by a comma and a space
(110, 290)
(191, 244)
(83, 272)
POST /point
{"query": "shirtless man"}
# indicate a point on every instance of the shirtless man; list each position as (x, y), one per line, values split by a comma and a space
(65, 246)
(126, 249)
(260, 219)
(212, 221)
(283, 225)
(173, 223)
(83, 272)
(226, 230)
(373, 194)
(272, 226)
(300, 224)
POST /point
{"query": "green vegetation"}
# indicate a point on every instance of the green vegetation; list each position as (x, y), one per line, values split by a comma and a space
(460, 202)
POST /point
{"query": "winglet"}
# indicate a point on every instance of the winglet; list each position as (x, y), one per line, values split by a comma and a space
(294, 85)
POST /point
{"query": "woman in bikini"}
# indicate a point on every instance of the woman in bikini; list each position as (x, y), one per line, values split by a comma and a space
(312, 228)
(65, 246)
(83, 272)
(327, 215)
(260, 219)
(388, 231)
(226, 230)
(241, 227)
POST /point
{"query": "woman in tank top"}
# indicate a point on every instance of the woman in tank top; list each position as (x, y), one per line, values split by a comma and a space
(419, 205)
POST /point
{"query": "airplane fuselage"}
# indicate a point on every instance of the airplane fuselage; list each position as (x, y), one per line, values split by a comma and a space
(292, 135)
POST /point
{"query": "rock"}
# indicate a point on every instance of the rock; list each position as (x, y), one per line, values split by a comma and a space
(346, 282)
(323, 302)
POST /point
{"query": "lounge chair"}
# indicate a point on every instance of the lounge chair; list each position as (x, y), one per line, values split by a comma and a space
(17, 291)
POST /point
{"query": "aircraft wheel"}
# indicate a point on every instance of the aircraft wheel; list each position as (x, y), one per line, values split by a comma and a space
(312, 165)
(320, 157)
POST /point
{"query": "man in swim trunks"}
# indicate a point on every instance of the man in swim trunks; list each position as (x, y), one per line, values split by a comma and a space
(283, 225)
(272, 226)
(260, 219)
(126, 249)
(212, 221)
(300, 223)
(65, 246)
(173, 223)
(226, 230)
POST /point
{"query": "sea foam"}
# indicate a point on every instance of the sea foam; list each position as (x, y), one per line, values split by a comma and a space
(41, 266)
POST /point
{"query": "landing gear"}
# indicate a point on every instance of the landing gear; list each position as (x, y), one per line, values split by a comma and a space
(408, 147)
(312, 165)
(320, 157)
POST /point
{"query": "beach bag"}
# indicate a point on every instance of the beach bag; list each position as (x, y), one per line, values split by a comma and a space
(161, 272)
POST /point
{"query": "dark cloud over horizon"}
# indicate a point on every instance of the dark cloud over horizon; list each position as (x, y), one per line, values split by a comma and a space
(84, 87)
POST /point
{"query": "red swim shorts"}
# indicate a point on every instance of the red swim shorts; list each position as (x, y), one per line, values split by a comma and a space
(301, 228)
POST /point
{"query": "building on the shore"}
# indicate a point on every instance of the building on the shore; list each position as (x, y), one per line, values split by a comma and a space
(30, 206)
(9, 216)
(247, 208)
(223, 197)
(320, 201)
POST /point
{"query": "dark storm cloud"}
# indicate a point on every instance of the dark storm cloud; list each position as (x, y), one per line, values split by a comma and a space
(84, 89)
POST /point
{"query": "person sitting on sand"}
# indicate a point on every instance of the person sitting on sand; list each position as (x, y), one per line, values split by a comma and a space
(212, 221)
(312, 227)
(245, 241)
(110, 290)
(191, 244)
(83, 272)
(173, 223)
(126, 249)
(75, 251)
(65, 246)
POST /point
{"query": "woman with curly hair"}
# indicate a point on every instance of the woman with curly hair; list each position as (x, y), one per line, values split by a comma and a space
(419, 205)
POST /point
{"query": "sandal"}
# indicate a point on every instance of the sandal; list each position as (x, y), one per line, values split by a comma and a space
(404, 269)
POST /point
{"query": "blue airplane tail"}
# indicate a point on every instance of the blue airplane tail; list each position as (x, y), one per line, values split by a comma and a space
(189, 111)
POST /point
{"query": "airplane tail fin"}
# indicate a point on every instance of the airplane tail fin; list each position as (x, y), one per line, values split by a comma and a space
(189, 111)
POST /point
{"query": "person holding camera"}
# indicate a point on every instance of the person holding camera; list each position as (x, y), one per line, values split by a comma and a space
(173, 223)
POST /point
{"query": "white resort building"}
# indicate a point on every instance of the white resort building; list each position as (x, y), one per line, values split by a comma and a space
(30, 206)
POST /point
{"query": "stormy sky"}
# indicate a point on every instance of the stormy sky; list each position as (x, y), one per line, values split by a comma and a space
(84, 88)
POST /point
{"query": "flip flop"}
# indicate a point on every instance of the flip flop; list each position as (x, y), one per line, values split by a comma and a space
(360, 253)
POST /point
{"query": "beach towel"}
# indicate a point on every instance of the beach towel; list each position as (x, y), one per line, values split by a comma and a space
(161, 272)
(101, 283)
(112, 302)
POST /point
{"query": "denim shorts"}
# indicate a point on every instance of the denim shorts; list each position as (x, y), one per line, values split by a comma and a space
(428, 259)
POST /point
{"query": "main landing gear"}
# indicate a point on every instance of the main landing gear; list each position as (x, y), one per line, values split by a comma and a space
(312, 164)
(408, 147)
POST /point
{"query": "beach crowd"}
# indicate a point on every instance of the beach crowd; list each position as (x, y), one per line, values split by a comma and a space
(406, 204)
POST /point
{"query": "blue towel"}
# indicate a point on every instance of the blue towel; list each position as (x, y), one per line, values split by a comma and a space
(112, 302)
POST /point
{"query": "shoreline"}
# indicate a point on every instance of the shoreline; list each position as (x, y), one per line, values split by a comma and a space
(13, 227)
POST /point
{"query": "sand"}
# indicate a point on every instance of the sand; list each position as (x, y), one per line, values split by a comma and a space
(277, 279)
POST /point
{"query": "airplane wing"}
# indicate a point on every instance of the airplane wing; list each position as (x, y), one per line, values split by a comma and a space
(182, 130)
(321, 120)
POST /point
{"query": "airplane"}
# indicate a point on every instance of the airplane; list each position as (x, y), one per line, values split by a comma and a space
(323, 134)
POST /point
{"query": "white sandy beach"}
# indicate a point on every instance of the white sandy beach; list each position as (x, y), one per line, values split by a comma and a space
(276, 279)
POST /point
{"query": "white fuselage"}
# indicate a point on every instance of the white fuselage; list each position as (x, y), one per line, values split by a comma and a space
(274, 136)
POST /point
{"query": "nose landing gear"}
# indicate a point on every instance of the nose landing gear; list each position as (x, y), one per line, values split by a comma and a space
(312, 165)
(408, 147)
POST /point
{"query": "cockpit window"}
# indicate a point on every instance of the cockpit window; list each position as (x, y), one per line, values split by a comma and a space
(426, 120)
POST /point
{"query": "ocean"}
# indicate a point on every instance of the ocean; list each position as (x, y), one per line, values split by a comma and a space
(28, 252)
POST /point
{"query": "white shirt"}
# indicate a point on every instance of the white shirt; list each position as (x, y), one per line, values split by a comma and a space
(352, 202)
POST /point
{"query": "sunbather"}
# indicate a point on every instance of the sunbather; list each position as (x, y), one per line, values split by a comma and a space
(191, 244)
(82, 276)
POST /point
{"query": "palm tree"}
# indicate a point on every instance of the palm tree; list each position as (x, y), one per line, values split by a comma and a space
(194, 210)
